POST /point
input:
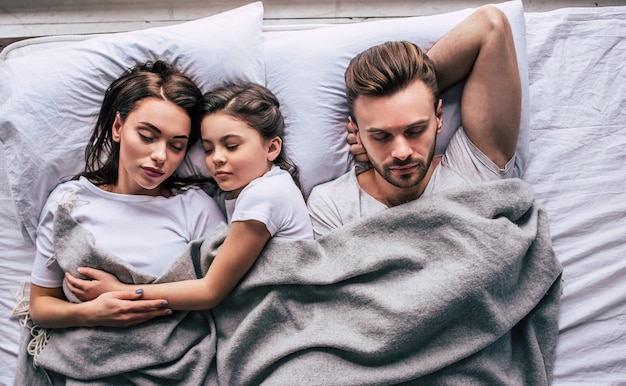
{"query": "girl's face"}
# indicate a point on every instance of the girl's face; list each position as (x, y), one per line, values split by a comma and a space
(235, 153)
(153, 142)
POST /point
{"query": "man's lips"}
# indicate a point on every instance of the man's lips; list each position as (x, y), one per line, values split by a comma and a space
(403, 169)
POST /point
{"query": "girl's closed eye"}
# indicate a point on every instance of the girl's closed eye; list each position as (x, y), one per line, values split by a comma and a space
(178, 146)
(207, 146)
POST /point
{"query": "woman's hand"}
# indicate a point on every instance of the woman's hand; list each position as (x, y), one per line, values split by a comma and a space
(98, 283)
(356, 149)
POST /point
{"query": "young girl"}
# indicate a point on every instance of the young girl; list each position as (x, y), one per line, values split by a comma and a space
(242, 138)
(126, 198)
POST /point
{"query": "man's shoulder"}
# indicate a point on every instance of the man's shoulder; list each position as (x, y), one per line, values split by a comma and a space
(339, 184)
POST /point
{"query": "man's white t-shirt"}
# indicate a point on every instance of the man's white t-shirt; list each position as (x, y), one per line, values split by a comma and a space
(342, 201)
(148, 232)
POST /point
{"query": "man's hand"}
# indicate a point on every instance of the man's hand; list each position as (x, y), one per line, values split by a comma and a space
(356, 149)
(98, 283)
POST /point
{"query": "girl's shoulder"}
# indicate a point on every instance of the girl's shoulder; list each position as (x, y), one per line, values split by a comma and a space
(274, 185)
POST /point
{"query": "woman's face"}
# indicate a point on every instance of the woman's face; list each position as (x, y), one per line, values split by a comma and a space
(153, 142)
(235, 153)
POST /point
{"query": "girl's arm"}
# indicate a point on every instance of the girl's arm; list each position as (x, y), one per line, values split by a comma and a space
(49, 309)
(241, 248)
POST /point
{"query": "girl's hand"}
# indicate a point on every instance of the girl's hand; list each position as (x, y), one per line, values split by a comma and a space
(124, 309)
(98, 283)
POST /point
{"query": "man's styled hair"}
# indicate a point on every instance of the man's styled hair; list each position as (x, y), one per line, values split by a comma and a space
(389, 67)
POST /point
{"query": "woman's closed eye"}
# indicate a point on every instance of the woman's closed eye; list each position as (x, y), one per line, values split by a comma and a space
(146, 138)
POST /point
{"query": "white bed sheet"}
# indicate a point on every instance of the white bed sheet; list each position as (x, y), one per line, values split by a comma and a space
(577, 160)
(577, 165)
(16, 258)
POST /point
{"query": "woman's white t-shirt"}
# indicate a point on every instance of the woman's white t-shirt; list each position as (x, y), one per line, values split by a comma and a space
(148, 232)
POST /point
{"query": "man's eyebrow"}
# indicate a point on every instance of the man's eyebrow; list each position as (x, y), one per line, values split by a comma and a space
(412, 125)
(418, 123)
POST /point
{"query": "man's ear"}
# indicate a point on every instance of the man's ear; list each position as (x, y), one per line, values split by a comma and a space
(439, 115)
(274, 148)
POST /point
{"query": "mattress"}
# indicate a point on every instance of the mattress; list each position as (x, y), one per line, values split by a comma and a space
(576, 163)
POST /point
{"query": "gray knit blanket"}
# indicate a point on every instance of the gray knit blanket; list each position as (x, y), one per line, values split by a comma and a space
(459, 288)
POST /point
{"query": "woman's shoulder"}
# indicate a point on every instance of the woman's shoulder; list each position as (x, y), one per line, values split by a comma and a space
(69, 187)
(195, 199)
(192, 193)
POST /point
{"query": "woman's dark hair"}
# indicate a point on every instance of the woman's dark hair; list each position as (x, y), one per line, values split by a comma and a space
(259, 108)
(157, 79)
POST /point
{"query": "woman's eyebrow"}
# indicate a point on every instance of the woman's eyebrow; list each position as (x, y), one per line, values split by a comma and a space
(157, 130)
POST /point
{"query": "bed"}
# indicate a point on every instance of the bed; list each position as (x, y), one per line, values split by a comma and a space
(573, 137)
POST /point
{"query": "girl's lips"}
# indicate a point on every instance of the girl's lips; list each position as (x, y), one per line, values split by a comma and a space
(221, 175)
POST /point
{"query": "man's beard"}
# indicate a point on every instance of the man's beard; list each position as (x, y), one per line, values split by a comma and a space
(408, 180)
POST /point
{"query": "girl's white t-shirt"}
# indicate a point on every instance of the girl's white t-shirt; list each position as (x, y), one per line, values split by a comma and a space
(275, 200)
(148, 232)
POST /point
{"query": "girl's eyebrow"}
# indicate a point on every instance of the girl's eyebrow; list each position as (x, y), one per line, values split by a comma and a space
(158, 131)
(229, 136)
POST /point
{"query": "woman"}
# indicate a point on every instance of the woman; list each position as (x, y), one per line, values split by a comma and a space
(127, 196)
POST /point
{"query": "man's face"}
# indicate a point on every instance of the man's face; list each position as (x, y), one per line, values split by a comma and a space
(398, 133)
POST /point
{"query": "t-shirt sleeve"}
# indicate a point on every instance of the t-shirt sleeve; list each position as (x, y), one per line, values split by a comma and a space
(324, 214)
(46, 271)
(471, 164)
(261, 204)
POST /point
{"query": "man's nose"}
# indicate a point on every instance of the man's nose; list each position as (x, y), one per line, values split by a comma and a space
(401, 148)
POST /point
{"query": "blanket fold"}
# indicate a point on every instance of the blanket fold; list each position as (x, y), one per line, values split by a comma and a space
(457, 288)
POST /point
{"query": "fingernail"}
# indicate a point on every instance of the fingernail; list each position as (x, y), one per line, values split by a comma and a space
(164, 303)
(168, 312)
(139, 291)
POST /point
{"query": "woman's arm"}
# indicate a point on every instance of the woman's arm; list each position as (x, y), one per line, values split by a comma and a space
(50, 309)
(243, 244)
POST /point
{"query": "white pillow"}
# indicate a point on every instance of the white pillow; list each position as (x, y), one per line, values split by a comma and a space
(49, 99)
(305, 70)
